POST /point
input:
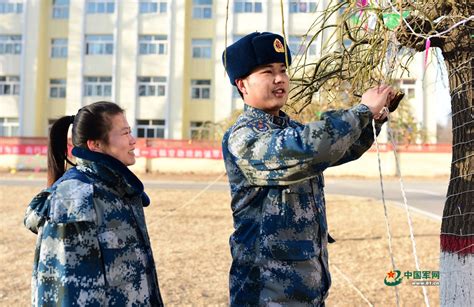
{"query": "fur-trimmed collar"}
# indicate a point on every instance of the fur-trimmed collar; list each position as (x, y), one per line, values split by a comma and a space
(109, 169)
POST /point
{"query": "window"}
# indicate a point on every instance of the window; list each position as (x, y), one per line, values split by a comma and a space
(10, 44)
(297, 6)
(150, 128)
(202, 9)
(11, 6)
(199, 131)
(57, 88)
(153, 44)
(408, 86)
(151, 86)
(9, 126)
(150, 6)
(98, 86)
(202, 48)
(59, 48)
(9, 85)
(100, 6)
(298, 45)
(60, 9)
(99, 44)
(242, 6)
(200, 89)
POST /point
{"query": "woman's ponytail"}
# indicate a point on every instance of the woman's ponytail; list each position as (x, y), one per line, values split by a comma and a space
(57, 148)
(92, 122)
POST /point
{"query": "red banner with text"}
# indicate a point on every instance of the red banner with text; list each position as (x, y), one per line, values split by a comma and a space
(160, 148)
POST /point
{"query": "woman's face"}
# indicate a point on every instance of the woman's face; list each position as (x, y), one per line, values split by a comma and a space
(121, 144)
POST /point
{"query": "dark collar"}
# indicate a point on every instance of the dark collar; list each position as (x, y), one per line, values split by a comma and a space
(281, 120)
(110, 169)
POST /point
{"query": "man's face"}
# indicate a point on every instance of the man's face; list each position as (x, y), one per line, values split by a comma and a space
(266, 88)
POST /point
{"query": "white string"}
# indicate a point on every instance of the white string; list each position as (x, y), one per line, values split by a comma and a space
(460, 111)
(462, 176)
(195, 196)
(465, 157)
(191, 201)
(405, 202)
(457, 90)
(387, 223)
(428, 37)
(463, 192)
(464, 124)
(434, 35)
(353, 286)
(458, 251)
(457, 234)
(454, 26)
(455, 215)
(463, 143)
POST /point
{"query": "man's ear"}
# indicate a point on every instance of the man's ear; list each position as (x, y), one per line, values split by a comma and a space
(241, 86)
(94, 145)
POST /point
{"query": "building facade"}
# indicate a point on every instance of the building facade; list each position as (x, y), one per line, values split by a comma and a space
(159, 59)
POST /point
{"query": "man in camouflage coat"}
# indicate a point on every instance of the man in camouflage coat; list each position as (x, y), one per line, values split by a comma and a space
(93, 247)
(275, 165)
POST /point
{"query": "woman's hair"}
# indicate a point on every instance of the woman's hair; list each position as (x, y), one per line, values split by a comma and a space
(92, 122)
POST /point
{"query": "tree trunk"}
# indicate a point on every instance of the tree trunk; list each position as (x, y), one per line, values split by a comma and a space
(457, 228)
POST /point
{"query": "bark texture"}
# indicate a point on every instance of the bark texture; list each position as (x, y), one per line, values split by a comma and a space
(457, 228)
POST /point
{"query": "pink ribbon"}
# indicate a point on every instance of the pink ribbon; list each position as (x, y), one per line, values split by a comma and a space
(427, 48)
(362, 4)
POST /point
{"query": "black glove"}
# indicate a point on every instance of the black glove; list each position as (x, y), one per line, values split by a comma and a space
(396, 101)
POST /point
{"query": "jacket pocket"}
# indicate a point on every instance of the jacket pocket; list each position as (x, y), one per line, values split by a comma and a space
(123, 259)
(298, 194)
(293, 274)
(293, 250)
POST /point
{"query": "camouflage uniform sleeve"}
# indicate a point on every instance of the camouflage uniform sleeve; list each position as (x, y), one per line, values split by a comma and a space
(292, 154)
(68, 268)
(37, 211)
(360, 146)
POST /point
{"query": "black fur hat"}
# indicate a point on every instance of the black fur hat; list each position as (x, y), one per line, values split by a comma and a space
(253, 50)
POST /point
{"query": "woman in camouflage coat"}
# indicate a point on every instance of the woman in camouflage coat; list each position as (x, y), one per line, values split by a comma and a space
(93, 247)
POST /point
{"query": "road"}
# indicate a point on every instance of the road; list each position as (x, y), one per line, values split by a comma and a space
(423, 195)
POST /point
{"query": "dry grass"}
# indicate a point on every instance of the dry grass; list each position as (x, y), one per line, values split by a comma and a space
(191, 248)
(362, 252)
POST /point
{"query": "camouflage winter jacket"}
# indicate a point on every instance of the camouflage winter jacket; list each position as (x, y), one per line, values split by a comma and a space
(93, 247)
(275, 165)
